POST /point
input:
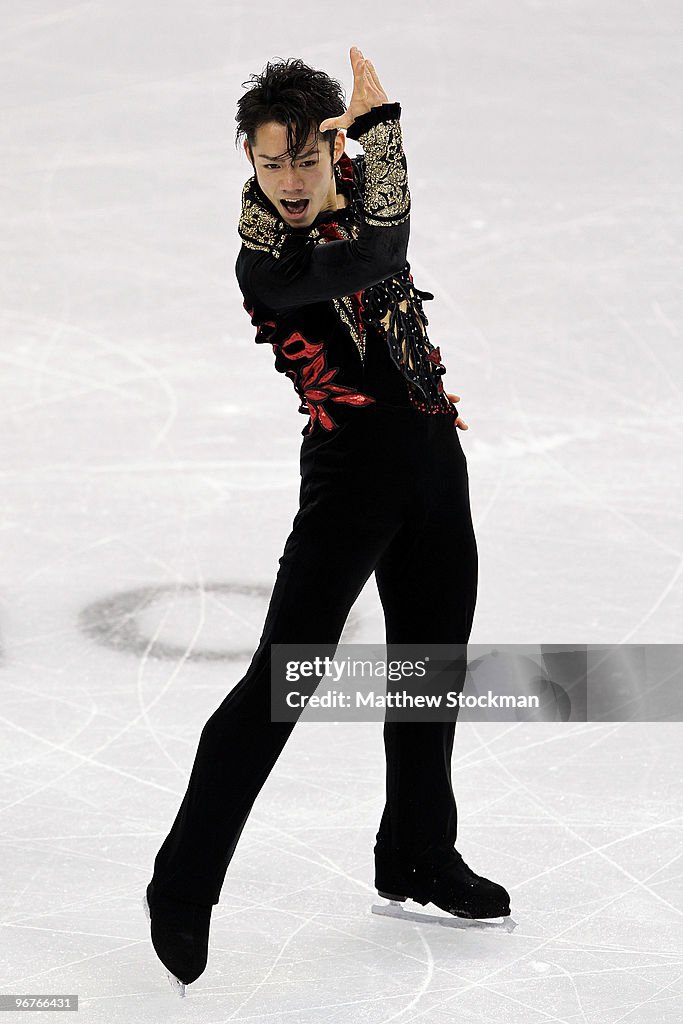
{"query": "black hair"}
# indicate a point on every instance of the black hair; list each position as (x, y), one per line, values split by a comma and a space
(294, 95)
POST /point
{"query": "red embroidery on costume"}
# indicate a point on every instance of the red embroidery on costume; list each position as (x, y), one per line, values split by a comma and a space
(296, 346)
(313, 383)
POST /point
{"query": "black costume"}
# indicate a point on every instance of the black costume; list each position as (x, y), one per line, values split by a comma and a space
(310, 302)
(384, 488)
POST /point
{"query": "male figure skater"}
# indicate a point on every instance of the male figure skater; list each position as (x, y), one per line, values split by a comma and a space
(384, 489)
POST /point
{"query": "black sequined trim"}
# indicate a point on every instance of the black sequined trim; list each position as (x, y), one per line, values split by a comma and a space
(394, 307)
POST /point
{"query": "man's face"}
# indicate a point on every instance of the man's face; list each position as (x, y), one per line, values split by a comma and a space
(308, 181)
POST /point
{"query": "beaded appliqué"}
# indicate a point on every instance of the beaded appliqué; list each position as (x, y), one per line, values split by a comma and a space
(394, 307)
(258, 227)
(387, 196)
(349, 310)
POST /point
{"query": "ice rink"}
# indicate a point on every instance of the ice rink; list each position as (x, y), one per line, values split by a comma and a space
(150, 478)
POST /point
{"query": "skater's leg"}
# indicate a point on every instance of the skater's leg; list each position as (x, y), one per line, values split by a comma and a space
(434, 558)
(427, 581)
(344, 523)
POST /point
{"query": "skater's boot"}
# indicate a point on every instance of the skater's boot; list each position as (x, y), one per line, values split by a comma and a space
(446, 881)
(180, 936)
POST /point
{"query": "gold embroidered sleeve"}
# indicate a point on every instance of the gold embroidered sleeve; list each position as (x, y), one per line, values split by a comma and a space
(386, 199)
(258, 227)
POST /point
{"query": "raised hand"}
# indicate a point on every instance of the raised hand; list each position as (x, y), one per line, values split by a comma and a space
(367, 92)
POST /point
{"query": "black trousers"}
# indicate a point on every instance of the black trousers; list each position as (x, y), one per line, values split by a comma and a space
(386, 492)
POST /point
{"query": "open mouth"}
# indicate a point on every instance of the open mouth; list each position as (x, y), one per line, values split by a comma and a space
(295, 207)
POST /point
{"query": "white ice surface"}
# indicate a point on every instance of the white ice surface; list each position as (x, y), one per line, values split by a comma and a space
(148, 443)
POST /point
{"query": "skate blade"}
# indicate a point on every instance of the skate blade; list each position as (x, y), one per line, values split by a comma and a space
(394, 909)
(176, 984)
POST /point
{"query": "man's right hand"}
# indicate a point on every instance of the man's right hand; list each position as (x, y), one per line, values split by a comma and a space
(367, 92)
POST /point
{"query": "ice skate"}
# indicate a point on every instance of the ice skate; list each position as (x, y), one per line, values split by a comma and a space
(469, 900)
(394, 908)
(180, 936)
